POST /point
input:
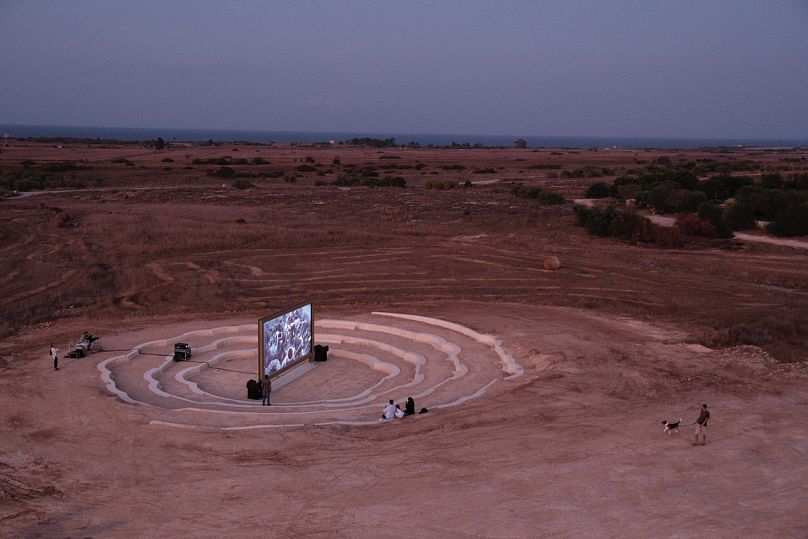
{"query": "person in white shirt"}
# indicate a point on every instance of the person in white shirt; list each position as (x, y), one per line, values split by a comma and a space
(389, 411)
(55, 355)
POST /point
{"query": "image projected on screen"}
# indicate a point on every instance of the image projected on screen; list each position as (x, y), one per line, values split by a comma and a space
(286, 339)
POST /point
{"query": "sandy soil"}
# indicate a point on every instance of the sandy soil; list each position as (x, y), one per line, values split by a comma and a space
(572, 447)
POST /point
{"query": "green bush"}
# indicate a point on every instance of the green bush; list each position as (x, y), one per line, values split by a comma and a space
(440, 185)
(713, 214)
(692, 225)
(122, 160)
(587, 172)
(212, 161)
(167, 160)
(61, 166)
(626, 224)
(223, 172)
(365, 181)
(740, 215)
(664, 197)
(550, 198)
(692, 201)
(598, 190)
(545, 166)
(30, 183)
(536, 193)
(242, 183)
(771, 180)
(720, 188)
(597, 221)
(791, 220)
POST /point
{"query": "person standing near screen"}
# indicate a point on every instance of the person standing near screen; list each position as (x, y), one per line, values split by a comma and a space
(267, 389)
(54, 352)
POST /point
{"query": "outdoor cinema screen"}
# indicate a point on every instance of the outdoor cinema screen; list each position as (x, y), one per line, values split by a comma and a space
(285, 339)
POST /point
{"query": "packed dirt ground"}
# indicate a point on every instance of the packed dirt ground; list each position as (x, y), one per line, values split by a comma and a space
(618, 338)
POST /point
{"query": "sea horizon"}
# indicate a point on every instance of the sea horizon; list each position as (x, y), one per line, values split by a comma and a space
(131, 134)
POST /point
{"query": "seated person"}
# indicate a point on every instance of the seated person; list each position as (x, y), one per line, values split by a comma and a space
(86, 341)
(389, 411)
(409, 408)
(399, 412)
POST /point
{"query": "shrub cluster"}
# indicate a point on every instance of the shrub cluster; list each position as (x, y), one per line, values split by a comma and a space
(369, 181)
(625, 224)
(545, 166)
(544, 196)
(242, 183)
(222, 172)
(27, 180)
(354, 170)
(374, 142)
(587, 172)
(676, 188)
(598, 190)
(440, 185)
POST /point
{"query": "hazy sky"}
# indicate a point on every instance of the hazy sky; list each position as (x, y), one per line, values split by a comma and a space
(666, 68)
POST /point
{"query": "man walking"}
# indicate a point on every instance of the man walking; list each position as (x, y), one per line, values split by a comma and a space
(267, 389)
(701, 425)
(54, 352)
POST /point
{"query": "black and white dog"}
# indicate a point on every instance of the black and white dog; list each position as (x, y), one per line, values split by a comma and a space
(671, 426)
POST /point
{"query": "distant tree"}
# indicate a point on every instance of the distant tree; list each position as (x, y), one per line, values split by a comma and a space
(740, 214)
(159, 143)
(713, 215)
(791, 220)
(520, 143)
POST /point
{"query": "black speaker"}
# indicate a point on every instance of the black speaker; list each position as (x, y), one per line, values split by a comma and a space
(182, 351)
(254, 390)
(320, 353)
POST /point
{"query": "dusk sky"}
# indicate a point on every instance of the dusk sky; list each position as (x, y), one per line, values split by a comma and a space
(712, 69)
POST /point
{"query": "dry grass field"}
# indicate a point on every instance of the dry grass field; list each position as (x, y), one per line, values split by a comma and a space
(609, 341)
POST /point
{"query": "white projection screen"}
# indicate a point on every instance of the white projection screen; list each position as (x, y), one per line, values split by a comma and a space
(285, 339)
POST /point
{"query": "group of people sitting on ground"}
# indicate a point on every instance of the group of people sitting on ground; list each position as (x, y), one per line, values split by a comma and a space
(87, 342)
(393, 410)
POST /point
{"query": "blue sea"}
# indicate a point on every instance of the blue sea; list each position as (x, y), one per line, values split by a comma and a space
(424, 139)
